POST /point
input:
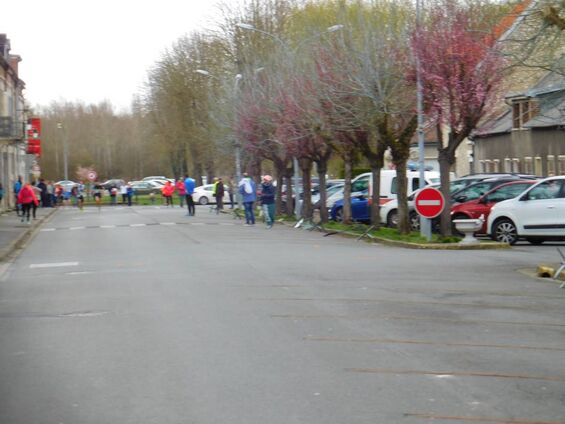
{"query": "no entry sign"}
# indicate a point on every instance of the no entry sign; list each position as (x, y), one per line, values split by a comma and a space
(429, 202)
(92, 175)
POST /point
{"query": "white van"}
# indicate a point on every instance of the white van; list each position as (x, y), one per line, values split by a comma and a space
(389, 185)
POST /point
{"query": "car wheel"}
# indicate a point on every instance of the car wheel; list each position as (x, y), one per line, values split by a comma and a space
(392, 219)
(504, 231)
(203, 200)
(535, 241)
(339, 215)
(414, 221)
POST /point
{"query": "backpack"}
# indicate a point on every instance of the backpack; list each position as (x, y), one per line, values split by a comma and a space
(247, 187)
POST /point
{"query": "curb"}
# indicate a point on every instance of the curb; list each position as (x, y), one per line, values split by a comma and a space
(488, 245)
(18, 242)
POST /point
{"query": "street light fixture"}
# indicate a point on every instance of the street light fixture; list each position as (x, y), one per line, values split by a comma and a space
(65, 151)
(237, 78)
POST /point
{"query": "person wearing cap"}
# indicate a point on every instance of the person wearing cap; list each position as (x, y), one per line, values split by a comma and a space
(268, 200)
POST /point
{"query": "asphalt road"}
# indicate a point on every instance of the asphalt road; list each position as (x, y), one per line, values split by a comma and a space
(144, 315)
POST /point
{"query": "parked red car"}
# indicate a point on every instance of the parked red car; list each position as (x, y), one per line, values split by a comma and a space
(473, 209)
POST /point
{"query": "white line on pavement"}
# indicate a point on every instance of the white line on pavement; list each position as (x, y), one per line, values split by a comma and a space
(107, 226)
(54, 265)
(77, 228)
(48, 229)
(137, 225)
(168, 223)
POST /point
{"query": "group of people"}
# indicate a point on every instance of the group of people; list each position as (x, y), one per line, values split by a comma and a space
(248, 190)
(30, 196)
(246, 187)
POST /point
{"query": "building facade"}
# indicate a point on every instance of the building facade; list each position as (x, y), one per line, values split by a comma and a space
(12, 123)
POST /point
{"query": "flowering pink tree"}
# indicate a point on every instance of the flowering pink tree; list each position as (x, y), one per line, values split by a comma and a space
(461, 74)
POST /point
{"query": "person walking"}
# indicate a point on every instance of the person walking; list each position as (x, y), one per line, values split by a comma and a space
(26, 198)
(218, 192)
(268, 200)
(44, 194)
(168, 191)
(129, 191)
(189, 185)
(181, 191)
(124, 193)
(248, 190)
(231, 192)
(17, 187)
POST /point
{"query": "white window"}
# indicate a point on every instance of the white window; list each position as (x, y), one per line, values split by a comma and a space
(528, 168)
(507, 165)
(516, 165)
(550, 165)
(561, 164)
(538, 169)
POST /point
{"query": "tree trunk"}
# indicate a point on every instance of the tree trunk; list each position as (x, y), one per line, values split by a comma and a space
(348, 165)
(322, 167)
(306, 168)
(445, 162)
(402, 194)
(375, 196)
(289, 201)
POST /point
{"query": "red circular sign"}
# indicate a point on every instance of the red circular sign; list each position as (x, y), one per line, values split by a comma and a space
(429, 202)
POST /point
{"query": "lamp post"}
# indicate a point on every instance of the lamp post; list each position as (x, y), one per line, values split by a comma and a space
(425, 223)
(65, 151)
(288, 50)
(237, 144)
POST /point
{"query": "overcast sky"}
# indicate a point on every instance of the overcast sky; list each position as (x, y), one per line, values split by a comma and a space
(92, 50)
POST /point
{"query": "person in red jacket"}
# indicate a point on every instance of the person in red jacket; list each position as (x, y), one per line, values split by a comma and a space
(27, 199)
(168, 191)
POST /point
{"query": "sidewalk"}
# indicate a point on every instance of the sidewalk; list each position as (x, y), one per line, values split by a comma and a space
(13, 232)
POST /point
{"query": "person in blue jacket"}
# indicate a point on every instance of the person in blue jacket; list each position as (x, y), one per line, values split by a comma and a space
(189, 185)
(248, 191)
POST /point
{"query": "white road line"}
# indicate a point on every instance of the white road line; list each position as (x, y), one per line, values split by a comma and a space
(77, 228)
(168, 223)
(54, 265)
(48, 229)
(429, 202)
(107, 226)
(137, 225)
(197, 223)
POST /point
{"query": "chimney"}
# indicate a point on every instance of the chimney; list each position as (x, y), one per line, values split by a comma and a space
(14, 60)
(4, 46)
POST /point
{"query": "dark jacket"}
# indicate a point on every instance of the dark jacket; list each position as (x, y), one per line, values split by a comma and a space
(267, 194)
(219, 189)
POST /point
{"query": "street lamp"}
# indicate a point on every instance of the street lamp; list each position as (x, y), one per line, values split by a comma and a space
(287, 49)
(237, 144)
(65, 151)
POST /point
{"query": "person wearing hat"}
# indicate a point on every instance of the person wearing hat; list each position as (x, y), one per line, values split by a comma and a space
(268, 200)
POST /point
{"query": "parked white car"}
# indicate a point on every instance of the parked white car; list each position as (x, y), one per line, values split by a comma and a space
(536, 215)
(203, 194)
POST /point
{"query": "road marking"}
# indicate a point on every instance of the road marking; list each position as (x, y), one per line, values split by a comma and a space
(137, 225)
(54, 265)
(77, 228)
(197, 223)
(48, 229)
(431, 343)
(429, 202)
(168, 223)
(455, 374)
(481, 419)
(107, 226)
